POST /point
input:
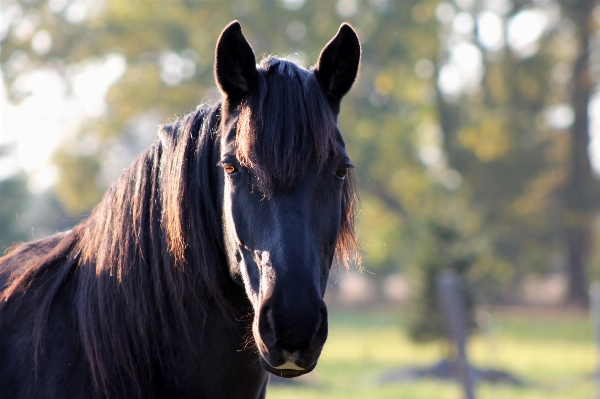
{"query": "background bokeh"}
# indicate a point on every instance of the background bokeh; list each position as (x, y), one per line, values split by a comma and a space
(474, 127)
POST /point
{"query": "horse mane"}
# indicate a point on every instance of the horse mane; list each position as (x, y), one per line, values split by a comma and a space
(147, 254)
(285, 123)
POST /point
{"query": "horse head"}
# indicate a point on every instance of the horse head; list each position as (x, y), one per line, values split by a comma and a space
(285, 180)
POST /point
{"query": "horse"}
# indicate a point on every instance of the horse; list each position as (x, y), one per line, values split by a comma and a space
(204, 267)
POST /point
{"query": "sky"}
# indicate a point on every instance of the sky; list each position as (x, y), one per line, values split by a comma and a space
(49, 115)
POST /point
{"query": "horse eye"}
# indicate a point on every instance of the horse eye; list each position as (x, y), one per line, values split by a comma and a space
(230, 169)
(342, 172)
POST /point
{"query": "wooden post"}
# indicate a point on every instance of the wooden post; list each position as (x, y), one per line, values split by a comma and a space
(595, 316)
(452, 307)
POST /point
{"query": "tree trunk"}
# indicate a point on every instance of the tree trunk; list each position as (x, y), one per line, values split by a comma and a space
(579, 187)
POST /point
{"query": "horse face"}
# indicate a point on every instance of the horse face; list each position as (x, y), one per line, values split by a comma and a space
(280, 243)
(281, 248)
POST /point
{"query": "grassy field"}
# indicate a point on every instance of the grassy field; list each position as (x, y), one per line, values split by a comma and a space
(553, 353)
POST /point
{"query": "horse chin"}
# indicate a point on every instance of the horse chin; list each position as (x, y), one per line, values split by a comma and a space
(285, 373)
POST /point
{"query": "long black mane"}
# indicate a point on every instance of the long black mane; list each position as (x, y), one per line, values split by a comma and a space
(148, 254)
(148, 264)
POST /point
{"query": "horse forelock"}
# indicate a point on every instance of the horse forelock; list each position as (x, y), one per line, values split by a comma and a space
(284, 125)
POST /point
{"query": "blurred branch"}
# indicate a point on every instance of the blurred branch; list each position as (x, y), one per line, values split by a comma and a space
(389, 200)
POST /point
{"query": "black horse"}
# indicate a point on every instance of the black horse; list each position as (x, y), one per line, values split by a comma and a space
(205, 264)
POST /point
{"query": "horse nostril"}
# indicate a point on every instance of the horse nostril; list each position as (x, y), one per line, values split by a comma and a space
(320, 334)
(269, 316)
(266, 325)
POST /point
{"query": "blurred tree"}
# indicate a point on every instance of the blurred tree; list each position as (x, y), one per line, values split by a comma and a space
(493, 137)
(14, 197)
(449, 249)
(507, 135)
(581, 189)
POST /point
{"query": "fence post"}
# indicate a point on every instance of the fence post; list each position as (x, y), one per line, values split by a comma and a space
(595, 317)
(452, 307)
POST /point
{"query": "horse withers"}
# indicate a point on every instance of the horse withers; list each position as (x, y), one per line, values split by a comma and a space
(205, 265)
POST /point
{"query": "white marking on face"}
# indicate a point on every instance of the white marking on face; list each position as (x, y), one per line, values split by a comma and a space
(289, 366)
(290, 363)
(262, 258)
(267, 273)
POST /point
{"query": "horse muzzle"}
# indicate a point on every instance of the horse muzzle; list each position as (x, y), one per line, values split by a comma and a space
(290, 341)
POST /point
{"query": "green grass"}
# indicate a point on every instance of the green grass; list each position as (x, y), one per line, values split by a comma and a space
(552, 352)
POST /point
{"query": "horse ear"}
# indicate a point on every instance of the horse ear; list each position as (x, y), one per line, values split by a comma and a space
(235, 63)
(338, 64)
